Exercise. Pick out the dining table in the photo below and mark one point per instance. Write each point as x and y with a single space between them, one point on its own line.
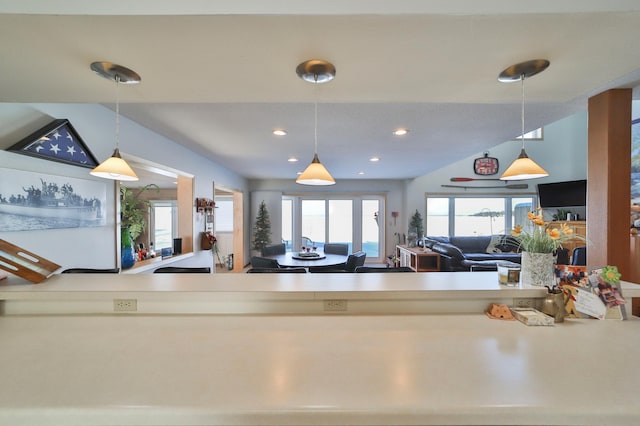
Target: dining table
298 259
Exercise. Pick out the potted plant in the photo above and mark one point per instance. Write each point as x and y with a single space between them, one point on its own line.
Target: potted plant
133 220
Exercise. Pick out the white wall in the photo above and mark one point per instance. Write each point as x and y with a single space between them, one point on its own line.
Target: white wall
95 247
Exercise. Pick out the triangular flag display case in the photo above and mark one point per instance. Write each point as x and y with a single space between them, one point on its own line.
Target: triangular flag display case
57 141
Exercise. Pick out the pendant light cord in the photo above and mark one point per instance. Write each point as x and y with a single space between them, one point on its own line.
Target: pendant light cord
117 79
522 113
315 125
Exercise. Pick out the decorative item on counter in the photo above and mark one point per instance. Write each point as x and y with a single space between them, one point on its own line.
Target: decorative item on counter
509 274
570 278
531 316
605 283
554 304
538 246
596 294
25 264
499 311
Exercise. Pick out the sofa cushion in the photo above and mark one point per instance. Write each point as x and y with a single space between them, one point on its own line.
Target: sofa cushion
471 244
493 247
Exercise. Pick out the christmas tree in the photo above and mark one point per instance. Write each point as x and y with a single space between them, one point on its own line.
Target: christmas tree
416 229
262 234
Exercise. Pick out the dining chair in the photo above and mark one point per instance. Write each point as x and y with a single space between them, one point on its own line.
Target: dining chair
367 269
354 260
264 262
296 270
274 249
182 270
91 271
336 248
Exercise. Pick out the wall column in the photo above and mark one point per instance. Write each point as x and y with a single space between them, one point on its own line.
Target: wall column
609 180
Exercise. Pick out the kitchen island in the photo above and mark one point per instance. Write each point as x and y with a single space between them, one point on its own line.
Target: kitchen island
278 358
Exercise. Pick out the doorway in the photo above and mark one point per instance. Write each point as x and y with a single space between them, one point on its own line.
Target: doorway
229 229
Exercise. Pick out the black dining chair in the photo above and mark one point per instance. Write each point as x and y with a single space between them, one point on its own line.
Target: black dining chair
296 270
353 261
91 271
274 249
368 269
182 270
336 248
264 262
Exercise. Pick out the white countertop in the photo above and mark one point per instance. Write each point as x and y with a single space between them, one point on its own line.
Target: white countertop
438 292
397 369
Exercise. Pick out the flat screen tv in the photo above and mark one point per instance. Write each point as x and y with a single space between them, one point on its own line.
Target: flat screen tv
563 194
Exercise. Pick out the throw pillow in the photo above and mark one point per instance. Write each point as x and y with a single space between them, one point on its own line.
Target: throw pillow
494 244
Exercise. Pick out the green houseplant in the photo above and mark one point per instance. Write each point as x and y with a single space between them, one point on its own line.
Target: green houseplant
134 210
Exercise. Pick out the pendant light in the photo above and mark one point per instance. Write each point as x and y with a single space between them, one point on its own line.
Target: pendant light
316 71
115 167
523 167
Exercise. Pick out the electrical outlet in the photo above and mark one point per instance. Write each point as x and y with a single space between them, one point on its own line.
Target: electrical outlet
125 305
335 305
519 302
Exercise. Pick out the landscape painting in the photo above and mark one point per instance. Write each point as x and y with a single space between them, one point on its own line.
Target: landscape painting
34 201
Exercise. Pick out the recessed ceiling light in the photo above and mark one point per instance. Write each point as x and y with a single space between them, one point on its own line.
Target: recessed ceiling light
374 159
280 132
361 172
292 160
400 132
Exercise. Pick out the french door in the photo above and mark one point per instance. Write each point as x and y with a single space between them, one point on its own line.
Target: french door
352 220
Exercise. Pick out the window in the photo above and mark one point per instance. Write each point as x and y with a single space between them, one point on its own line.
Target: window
474 215
164 223
287 223
224 214
534 135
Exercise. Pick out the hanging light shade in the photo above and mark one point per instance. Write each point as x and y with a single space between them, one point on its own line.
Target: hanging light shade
115 167
523 167
316 71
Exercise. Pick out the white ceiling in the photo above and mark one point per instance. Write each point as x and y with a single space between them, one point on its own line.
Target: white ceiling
218 76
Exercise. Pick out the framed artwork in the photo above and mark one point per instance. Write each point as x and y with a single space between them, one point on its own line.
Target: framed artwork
57 141
34 200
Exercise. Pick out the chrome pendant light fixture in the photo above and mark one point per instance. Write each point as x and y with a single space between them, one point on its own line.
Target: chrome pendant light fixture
115 167
523 167
316 71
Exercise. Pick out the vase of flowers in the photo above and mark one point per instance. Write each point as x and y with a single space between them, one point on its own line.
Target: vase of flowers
538 245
